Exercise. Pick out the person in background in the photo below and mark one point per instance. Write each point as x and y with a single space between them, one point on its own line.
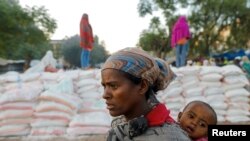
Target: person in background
237 61
246 66
205 62
189 63
195 118
131 79
212 62
220 62
226 62
86 41
179 40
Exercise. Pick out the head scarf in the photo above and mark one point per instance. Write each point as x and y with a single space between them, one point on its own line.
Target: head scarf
141 65
86 34
180 30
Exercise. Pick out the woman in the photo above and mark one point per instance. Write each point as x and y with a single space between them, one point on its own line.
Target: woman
179 40
131 79
86 41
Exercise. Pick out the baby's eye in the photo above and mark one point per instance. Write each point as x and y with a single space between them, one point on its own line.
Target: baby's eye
202 124
190 116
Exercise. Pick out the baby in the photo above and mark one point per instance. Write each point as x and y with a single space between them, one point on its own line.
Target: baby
195 118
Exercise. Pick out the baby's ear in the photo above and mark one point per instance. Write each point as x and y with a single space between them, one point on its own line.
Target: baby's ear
179 116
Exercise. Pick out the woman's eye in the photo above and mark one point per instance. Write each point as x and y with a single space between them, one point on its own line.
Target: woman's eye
113 86
104 86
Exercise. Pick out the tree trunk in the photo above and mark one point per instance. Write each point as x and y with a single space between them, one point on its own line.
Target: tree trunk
207 51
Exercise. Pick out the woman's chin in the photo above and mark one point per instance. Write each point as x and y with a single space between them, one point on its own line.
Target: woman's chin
113 113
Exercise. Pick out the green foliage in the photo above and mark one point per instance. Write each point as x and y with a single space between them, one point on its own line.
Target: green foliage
98 54
71 51
24 32
144 7
155 39
207 19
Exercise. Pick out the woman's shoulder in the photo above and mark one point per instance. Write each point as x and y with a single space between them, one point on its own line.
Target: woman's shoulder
117 120
167 132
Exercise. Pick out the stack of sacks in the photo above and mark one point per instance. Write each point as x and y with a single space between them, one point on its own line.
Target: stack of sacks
92 118
10 80
211 81
236 94
92 105
190 83
49 79
71 74
91 122
65 85
14 80
172 97
17 104
55 110
88 85
2 89
222 87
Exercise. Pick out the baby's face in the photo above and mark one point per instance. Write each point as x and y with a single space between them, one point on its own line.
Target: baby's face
195 120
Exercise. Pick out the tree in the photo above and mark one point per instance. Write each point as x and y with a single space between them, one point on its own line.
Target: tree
24 32
208 20
99 53
71 51
155 39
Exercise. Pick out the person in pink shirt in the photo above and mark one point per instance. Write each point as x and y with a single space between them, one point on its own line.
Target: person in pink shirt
179 40
195 118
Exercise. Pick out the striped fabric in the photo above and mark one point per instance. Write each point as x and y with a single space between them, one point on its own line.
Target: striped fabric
141 65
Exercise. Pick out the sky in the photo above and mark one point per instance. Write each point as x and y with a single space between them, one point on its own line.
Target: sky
116 22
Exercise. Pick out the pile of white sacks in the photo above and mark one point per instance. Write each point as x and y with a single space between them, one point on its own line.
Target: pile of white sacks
224 88
55 104
69 103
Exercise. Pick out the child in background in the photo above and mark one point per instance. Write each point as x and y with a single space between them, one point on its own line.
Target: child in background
195 118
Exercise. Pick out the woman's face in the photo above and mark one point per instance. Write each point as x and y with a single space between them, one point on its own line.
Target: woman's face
122 95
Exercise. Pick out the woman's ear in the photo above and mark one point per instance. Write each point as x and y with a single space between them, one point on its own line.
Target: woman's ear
179 116
143 87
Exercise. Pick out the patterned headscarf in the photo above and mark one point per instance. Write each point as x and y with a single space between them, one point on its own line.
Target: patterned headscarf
141 65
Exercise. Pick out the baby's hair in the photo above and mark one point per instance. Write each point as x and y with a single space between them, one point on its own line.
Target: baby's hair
204 103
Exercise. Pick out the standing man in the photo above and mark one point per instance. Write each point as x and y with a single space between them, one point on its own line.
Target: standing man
179 40
86 41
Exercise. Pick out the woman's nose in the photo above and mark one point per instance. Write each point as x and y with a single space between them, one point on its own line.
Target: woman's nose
106 93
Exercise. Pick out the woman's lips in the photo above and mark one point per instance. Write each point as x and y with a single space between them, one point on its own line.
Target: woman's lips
110 106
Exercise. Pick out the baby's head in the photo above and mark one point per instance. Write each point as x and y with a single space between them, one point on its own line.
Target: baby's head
196 117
